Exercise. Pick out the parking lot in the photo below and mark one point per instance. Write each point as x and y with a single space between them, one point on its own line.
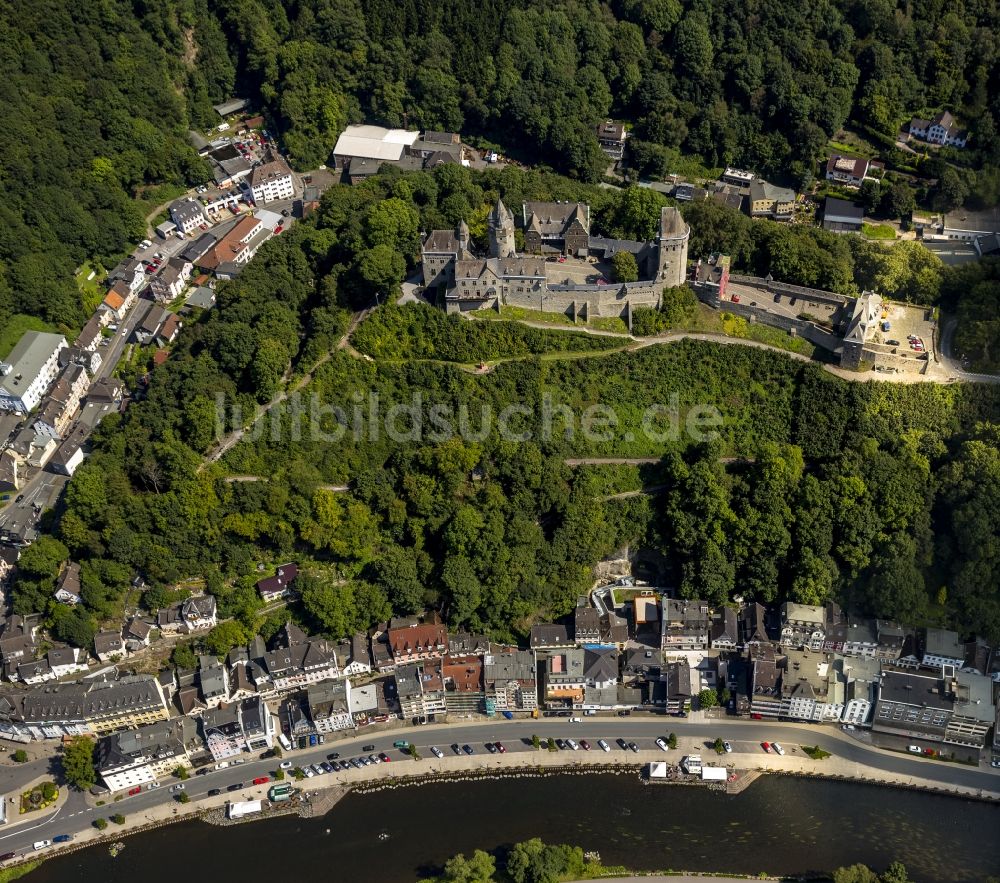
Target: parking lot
905 320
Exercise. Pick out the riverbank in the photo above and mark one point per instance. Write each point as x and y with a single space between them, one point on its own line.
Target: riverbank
783 826
325 792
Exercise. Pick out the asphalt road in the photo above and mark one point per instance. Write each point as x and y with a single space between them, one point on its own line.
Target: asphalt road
693 736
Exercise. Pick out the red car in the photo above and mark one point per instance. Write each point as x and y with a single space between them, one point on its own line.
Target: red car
278 229
736 298
262 780
133 791
766 746
500 748
585 745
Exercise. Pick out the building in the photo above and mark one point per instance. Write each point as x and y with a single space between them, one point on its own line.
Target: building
420 689
556 227
233 105
564 677
280 585
684 625
769 201
187 215
329 706
812 687
950 713
941 647
144 754
236 247
803 625
423 641
301 664
862 677
586 623
371 143
109 646
198 614
862 324
213 681
764 686
229 730
851 171
68 584
29 370
54 710
509 677
272 181
442 250
841 216
464 691
611 136
724 632
737 177
939 130
549 636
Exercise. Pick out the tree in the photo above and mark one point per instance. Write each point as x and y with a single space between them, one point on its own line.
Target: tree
718 746
226 635
536 742
20 756
78 763
183 655
672 740
382 269
678 305
118 819
551 744
479 868
100 824
181 772
900 201
49 790
182 797
625 267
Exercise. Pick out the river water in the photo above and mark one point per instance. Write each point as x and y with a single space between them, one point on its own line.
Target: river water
778 825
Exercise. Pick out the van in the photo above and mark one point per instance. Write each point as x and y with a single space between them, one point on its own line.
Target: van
285 742
41 844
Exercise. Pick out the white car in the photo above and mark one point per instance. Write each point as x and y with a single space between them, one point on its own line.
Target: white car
728 748
663 744
604 745
778 749
285 765
374 758
152 785
576 720
175 788
41 844
308 771
572 744
437 752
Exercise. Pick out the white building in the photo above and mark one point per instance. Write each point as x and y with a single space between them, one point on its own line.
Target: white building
187 214
329 706
134 757
29 371
272 181
942 647
230 730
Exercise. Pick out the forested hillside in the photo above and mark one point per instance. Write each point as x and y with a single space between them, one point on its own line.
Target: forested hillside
880 495
98 97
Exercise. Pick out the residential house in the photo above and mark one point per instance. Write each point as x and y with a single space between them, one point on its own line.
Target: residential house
115 305
329 706
812 687
109 646
463 684
138 756
77 355
802 625
278 586
467 644
168 332
137 634
8 564
222 732
549 636
36 671
942 647
425 641
29 370
10 471
213 681
769 201
150 325
724 632
509 679
587 623
420 689
68 584
841 216
187 214
685 625
360 658
737 177
562 227
60 406
851 171
611 136
67 661
107 391
752 624
198 614
301 664
859 636
862 676
91 335
939 130
272 180
257 724
131 272
564 677
600 667
764 681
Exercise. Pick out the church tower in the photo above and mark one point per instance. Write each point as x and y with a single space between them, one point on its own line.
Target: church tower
501 223
673 248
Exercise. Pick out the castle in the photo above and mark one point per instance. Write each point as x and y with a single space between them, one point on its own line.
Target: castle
561 269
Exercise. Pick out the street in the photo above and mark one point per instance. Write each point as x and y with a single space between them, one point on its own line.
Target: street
849 757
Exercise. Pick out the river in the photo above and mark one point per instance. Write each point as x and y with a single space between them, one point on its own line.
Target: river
779 825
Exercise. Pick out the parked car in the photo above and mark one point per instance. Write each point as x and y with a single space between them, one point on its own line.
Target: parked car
236 786
499 747
575 746
178 787
634 747
561 744
384 757
913 749
401 744
663 744
152 785
468 749
621 743
41 844
727 748
456 748
585 745
309 772
766 746
490 747
437 752
7 855
62 838
778 749
603 745
214 792
374 758
262 780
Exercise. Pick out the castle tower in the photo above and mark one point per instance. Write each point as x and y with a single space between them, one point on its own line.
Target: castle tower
673 248
462 233
501 223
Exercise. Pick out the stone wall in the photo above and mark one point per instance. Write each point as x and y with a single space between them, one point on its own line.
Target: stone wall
589 301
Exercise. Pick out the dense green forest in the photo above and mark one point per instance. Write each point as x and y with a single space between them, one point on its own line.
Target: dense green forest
880 495
99 97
